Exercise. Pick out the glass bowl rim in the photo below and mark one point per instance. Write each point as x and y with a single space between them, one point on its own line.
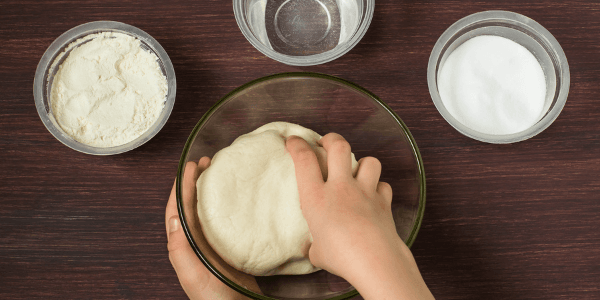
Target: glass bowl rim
500 16
308 60
57 46
205 117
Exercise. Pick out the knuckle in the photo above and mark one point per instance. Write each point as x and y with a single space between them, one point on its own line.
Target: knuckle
304 155
385 186
190 165
293 139
330 135
385 189
371 162
296 144
314 255
340 146
190 280
171 259
173 247
292 142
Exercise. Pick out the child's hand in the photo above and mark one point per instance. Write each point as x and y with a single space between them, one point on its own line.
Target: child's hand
196 280
351 222
344 214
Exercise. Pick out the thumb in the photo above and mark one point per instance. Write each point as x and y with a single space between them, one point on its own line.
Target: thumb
187 266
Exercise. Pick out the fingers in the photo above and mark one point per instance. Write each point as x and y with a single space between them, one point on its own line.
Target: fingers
308 172
339 159
369 170
385 190
181 255
203 164
190 175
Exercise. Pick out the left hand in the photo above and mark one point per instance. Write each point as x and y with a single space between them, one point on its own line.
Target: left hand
196 280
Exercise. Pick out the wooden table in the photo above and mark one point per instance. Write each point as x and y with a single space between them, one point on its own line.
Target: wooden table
519 221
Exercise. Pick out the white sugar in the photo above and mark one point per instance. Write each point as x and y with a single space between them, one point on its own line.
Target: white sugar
493 85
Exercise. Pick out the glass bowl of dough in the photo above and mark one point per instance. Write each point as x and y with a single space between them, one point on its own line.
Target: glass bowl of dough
303 32
263 244
104 88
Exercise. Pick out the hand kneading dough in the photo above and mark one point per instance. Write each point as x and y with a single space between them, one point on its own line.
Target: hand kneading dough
249 206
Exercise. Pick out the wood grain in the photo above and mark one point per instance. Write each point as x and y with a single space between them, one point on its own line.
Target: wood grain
513 221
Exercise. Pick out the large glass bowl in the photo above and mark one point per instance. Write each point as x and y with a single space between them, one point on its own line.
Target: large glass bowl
325 104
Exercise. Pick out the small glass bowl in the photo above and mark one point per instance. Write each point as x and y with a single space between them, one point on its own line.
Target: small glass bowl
324 104
47 68
523 31
303 32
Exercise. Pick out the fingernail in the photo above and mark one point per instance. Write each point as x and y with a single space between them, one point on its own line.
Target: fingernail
173 223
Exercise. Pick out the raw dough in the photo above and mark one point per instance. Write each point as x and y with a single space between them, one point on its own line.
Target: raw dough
248 202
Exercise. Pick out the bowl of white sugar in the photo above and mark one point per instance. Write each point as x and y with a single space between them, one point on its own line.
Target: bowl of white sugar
104 88
498 77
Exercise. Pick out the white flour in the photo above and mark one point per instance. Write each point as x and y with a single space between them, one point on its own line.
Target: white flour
108 91
493 85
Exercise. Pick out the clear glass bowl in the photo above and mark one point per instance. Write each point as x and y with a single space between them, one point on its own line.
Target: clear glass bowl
522 30
303 32
325 104
46 70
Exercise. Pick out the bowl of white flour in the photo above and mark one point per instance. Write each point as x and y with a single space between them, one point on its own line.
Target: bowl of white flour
104 88
498 77
244 219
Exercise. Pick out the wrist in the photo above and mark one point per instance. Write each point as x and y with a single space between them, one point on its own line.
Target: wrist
388 271
372 257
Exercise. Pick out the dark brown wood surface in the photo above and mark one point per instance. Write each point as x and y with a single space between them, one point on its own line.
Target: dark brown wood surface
519 221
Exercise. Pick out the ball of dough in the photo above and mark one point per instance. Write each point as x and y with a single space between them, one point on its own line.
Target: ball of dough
248 202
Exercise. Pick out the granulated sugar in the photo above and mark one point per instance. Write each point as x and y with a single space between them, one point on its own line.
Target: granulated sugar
493 85
108 91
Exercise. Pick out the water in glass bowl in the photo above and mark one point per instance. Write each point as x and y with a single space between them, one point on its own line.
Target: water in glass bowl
303 27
